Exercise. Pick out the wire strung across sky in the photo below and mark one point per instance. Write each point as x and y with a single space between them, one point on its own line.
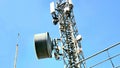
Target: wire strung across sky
106 49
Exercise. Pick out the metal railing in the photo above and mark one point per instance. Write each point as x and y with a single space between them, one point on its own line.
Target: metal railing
108 59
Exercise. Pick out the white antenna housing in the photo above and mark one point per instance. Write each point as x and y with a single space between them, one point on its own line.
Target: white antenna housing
52 7
70 1
43 45
79 38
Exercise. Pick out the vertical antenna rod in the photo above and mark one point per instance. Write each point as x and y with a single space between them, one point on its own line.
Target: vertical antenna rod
16 54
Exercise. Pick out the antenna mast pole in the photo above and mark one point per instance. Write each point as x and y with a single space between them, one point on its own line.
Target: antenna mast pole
16 54
72 50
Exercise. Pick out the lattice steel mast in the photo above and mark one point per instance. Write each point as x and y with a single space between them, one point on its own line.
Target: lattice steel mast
68 45
72 50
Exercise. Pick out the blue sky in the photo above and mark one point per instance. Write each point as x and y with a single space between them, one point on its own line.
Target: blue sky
98 22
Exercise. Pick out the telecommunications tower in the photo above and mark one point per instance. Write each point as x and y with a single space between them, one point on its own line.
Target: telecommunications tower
68 46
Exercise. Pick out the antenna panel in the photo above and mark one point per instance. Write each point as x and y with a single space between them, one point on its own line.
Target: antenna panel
52 8
43 45
70 1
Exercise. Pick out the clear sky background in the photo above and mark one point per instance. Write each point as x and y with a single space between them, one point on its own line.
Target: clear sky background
98 22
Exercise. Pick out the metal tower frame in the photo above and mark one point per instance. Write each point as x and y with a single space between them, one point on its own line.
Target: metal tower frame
69 37
68 46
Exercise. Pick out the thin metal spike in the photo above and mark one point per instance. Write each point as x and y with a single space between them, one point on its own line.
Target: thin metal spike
16 54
